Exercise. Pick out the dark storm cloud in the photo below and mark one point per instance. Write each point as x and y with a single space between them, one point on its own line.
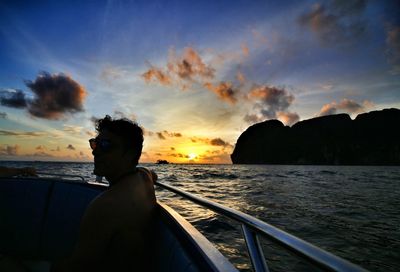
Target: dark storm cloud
54 95
337 23
13 99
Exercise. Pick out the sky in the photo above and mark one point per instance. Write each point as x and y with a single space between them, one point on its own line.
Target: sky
193 74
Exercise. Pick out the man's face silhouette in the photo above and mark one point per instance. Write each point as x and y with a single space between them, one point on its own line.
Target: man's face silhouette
111 159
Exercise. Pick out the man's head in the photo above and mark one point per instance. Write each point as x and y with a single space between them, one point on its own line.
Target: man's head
117 147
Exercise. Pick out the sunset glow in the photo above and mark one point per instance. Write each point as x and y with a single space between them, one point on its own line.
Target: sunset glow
193 74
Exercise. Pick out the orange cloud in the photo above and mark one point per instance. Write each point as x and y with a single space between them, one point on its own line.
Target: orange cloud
219 142
288 118
41 148
9 150
164 134
155 74
213 142
245 50
240 77
190 65
270 103
27 134
346 105
224 91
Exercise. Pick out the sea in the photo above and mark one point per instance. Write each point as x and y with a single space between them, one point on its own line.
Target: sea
350 211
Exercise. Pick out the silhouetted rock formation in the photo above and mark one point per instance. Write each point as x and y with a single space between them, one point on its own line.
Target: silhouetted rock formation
370 139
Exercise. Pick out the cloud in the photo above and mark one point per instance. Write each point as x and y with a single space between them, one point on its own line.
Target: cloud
259 38
190 65
178 155
164 134
157 75
270 100
393 47
13 99
90 133
22 133
213 142
120 114
252 118
3 115
346 105
288 118
9 150
213 156
148 132
187 68
245 50
40 148
53 96
70 147
338 23
160 136
219 142
224 91
57 149
72 129
40 154
240 77
110 74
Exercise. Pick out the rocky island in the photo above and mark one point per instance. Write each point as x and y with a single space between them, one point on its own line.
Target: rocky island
370 139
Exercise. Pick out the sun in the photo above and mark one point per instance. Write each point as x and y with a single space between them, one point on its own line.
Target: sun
192 156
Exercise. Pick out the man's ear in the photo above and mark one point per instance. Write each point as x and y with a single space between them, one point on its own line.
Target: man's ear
128 154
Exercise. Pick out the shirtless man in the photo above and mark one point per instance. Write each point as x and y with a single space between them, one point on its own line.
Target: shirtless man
114 233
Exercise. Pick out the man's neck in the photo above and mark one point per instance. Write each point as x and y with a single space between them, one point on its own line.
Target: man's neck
114 180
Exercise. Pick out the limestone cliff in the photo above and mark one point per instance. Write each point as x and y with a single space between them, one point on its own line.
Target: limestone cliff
370 139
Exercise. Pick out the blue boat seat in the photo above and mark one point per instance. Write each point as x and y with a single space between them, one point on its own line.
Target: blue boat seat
40 218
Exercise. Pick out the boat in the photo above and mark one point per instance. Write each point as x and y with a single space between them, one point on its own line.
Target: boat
40 219
162 162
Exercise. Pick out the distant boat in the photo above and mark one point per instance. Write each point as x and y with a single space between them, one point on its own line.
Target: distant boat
162 162
40 219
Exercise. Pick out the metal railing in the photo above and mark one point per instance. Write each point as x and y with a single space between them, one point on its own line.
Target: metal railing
68 176
253 227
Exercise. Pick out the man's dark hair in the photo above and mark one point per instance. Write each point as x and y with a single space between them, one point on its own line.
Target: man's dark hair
130 132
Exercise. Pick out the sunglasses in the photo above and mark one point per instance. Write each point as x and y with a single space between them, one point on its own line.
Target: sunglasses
103 144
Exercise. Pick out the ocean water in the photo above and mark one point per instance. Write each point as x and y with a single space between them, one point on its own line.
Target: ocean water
350 211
